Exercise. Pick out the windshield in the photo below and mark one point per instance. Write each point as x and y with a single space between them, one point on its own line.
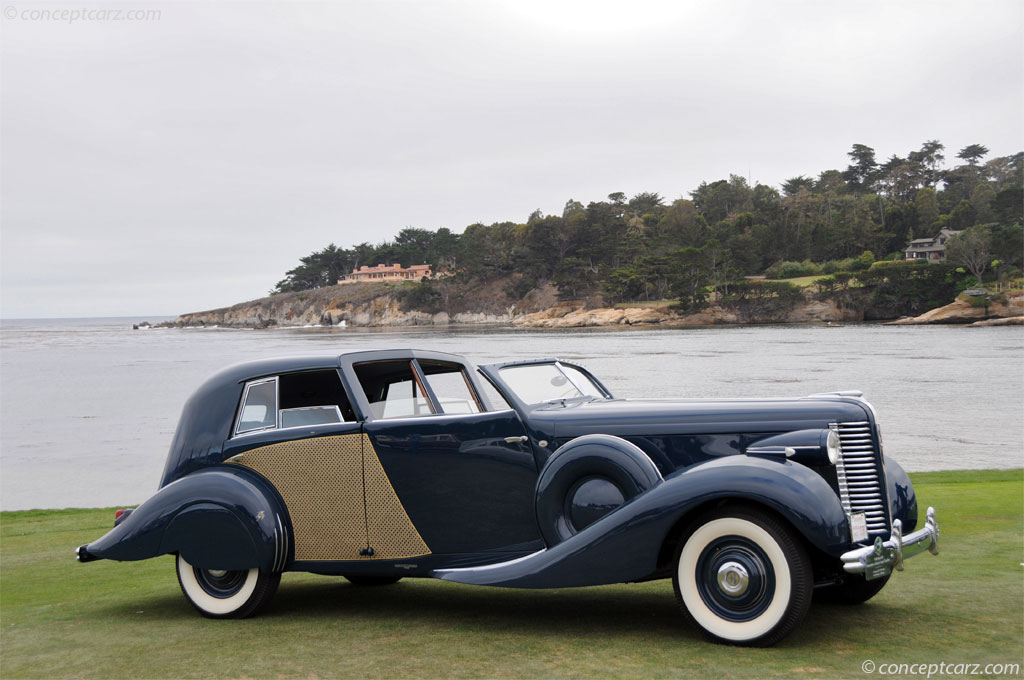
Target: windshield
539 383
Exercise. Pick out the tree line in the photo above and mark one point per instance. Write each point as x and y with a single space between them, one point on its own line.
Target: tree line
645 247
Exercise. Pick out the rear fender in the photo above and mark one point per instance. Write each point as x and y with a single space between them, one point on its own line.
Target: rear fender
221 518
624 545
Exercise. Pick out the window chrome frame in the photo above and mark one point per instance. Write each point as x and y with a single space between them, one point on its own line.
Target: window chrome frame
583 393
325 407
461 370
245 396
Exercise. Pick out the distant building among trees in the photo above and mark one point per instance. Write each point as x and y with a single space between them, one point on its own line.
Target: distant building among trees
933 248
382 273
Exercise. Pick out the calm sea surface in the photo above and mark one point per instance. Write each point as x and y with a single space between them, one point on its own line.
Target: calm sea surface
88 406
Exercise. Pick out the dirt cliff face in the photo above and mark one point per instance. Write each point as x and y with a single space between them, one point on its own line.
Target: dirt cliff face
574 315
350 305
369 304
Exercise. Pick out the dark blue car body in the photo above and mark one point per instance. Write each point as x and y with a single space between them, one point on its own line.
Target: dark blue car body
575 491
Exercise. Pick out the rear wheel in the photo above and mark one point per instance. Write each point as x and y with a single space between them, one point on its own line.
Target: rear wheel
226 594
743 577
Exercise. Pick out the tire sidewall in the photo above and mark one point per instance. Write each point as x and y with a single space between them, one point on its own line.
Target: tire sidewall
206 603
792 582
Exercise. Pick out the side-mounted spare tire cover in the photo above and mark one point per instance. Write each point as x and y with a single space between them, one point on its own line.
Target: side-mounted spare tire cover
586 479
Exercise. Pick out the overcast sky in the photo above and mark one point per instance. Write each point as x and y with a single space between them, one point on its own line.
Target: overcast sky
186 160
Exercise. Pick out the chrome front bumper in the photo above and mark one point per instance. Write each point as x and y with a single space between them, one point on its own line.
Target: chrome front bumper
896 549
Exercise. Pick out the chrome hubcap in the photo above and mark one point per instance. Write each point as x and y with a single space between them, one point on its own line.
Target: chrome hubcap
733 578
218 573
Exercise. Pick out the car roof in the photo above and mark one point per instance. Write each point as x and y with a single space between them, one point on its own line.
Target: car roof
259 368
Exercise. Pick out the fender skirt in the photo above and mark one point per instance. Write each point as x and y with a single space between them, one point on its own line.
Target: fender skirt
624 545
222 518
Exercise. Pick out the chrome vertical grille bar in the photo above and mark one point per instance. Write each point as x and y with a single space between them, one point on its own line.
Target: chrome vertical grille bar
844 489
858 473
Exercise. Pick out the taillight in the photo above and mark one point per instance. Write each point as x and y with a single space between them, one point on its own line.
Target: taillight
121 515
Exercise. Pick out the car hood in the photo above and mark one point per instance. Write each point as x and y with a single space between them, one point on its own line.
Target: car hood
646 417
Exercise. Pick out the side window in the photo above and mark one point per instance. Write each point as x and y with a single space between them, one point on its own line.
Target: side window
259 407
496 398
451 387
313 398
393 389
294 400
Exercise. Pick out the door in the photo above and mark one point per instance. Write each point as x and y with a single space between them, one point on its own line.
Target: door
465 476
300 433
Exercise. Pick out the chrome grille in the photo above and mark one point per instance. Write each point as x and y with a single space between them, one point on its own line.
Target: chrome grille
860 480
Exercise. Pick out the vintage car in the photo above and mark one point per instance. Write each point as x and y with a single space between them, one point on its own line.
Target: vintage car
382 465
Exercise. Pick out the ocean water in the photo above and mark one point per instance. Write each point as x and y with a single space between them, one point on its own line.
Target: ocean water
88 406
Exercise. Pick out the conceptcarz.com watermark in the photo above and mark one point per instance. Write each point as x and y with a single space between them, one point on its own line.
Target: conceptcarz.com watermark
931 670
72 15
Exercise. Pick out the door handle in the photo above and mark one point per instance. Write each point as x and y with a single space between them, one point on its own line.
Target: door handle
517 440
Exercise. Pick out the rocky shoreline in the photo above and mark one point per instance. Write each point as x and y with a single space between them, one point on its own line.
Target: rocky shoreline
974 312
377 305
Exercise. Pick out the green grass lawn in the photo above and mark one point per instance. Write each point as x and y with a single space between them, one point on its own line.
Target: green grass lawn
129 620
804 281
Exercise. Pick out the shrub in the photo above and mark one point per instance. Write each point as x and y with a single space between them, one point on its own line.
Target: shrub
824 286
760 300
791 270
422 297
910 288
977 300
518 288
851 264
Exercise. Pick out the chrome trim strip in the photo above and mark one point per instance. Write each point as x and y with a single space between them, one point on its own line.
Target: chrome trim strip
438 573
277 543
410 419
285 543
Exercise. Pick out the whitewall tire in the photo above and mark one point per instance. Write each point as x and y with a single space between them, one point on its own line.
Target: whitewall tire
222 594
743 577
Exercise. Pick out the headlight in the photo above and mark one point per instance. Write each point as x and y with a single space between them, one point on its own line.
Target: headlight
832 446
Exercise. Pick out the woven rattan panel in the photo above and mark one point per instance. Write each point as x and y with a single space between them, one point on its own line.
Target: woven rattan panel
321 481
392 534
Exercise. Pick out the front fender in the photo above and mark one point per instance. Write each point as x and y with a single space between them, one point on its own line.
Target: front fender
624 545
221 518
902 499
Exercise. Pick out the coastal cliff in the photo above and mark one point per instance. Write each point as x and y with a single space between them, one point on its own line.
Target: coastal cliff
384 305
977 311
361 304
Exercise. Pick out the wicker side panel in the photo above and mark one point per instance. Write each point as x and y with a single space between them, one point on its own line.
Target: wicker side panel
321 481
392 534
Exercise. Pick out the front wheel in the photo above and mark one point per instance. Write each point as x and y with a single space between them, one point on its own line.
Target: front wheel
743 577
226 594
